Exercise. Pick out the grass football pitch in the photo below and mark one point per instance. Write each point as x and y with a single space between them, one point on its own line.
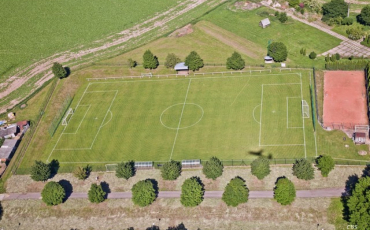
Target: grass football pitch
237 116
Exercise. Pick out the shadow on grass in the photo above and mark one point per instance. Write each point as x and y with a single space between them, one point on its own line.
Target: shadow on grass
54 167
106 189
68 188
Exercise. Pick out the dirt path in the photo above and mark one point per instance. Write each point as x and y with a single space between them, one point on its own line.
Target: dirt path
77 58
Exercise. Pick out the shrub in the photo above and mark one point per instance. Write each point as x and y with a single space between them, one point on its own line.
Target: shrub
213 168
325 164
347 21
149 60
53 193
82 173
236 192
96 193
283 17
143 193
313 5
40 171
355 33
337 56
131 63
278 51
260 167
125 170
302 10
364 16
277 14
192 192
327 58
332 58
171 170
312 55
171 60
303 169
366 41
58 70
235 62
293 3
193 61
284 191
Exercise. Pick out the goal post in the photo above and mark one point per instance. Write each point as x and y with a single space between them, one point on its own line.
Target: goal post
65 118
111 167
146 75
305 109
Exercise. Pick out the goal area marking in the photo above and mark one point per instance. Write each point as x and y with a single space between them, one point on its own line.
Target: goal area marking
69 112
305 109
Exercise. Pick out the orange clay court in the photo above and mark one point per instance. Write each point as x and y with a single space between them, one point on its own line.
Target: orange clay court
345 99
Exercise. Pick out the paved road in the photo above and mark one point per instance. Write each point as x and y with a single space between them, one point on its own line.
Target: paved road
327 192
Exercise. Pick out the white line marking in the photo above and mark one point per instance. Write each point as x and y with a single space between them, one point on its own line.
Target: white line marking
287 114
101 91
178 126
111 117
73 149
284 84
304 131
80 122
160 118
285 145
259 142
254 116
241 91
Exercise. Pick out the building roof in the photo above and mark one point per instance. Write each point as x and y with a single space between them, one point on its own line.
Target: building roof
7 148
181 66
268 58
265 22
5 131
360 134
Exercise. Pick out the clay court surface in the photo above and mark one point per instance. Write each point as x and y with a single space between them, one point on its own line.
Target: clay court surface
344 99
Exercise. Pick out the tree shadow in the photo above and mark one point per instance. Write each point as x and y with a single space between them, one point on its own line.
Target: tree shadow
88 170
154 227
178 227
1 211
106 189
68 188
68 70
366 171
130 228
155 186
256 152
54 167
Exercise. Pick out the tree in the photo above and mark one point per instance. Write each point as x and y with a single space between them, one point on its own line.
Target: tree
82 173
325 164
171 170
347 21
149 60
283 17
193 61
359 204
58 70
284 191
131 63
213 168
278 51
143 193
171 60
40 171
96 193
236 192
192 192
303 169
53 193
260 167
178 227
312 55
235 62
364 16
125 170
334 9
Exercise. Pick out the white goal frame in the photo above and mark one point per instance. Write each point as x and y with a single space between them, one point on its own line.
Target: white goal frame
363 128
64 120
305 109
109 170
146 75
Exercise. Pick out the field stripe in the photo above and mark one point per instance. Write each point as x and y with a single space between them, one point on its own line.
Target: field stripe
178 126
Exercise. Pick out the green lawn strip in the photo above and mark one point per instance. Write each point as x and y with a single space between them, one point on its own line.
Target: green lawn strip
335 214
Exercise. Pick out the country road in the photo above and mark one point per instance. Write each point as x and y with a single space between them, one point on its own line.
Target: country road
327 192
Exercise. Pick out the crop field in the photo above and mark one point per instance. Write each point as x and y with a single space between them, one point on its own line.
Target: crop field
231 117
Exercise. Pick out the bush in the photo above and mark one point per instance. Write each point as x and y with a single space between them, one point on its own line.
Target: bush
125 170
53 193
82 173
260 167
149 60
236 192
171 170
284 191
366 41
347 21
312 55
325 164
131 63
96 193
337 56
334 9
313 5
302 11
277 14
327 58
171 60
192 192
293 3
283 17
143 193
58 70
303 169
40 171
193 61
355 33
278 51
235 62
364 16
213 168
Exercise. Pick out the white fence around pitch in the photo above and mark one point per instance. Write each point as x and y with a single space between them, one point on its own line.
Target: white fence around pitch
193 74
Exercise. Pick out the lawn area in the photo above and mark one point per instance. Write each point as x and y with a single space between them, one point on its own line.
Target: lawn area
31 30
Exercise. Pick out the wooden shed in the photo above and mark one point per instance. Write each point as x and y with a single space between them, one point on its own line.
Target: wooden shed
359 138
182 69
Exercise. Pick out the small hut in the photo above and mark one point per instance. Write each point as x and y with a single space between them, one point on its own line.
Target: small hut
182 69
265 23
359 138
269 59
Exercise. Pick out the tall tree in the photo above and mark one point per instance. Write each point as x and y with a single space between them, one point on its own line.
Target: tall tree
325 163
213 168
193 61
143 193
53 193
334 9
278 51
260 167
284 191
364 16
236 192
192 192
359 204
96 193
171 170
125 170
303 169
171 60
40 171
235 62
149 60
58 70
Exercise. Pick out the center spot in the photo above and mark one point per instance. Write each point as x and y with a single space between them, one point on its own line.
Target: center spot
180 116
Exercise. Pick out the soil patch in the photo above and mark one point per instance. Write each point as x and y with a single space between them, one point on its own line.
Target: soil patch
188 29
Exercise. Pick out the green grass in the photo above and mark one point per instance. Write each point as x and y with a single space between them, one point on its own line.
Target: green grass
32 30
335 214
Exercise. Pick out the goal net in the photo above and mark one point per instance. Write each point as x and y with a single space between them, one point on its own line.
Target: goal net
305 109
111 167
65 118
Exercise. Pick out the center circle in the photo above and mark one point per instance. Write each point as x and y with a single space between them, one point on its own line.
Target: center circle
181 116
